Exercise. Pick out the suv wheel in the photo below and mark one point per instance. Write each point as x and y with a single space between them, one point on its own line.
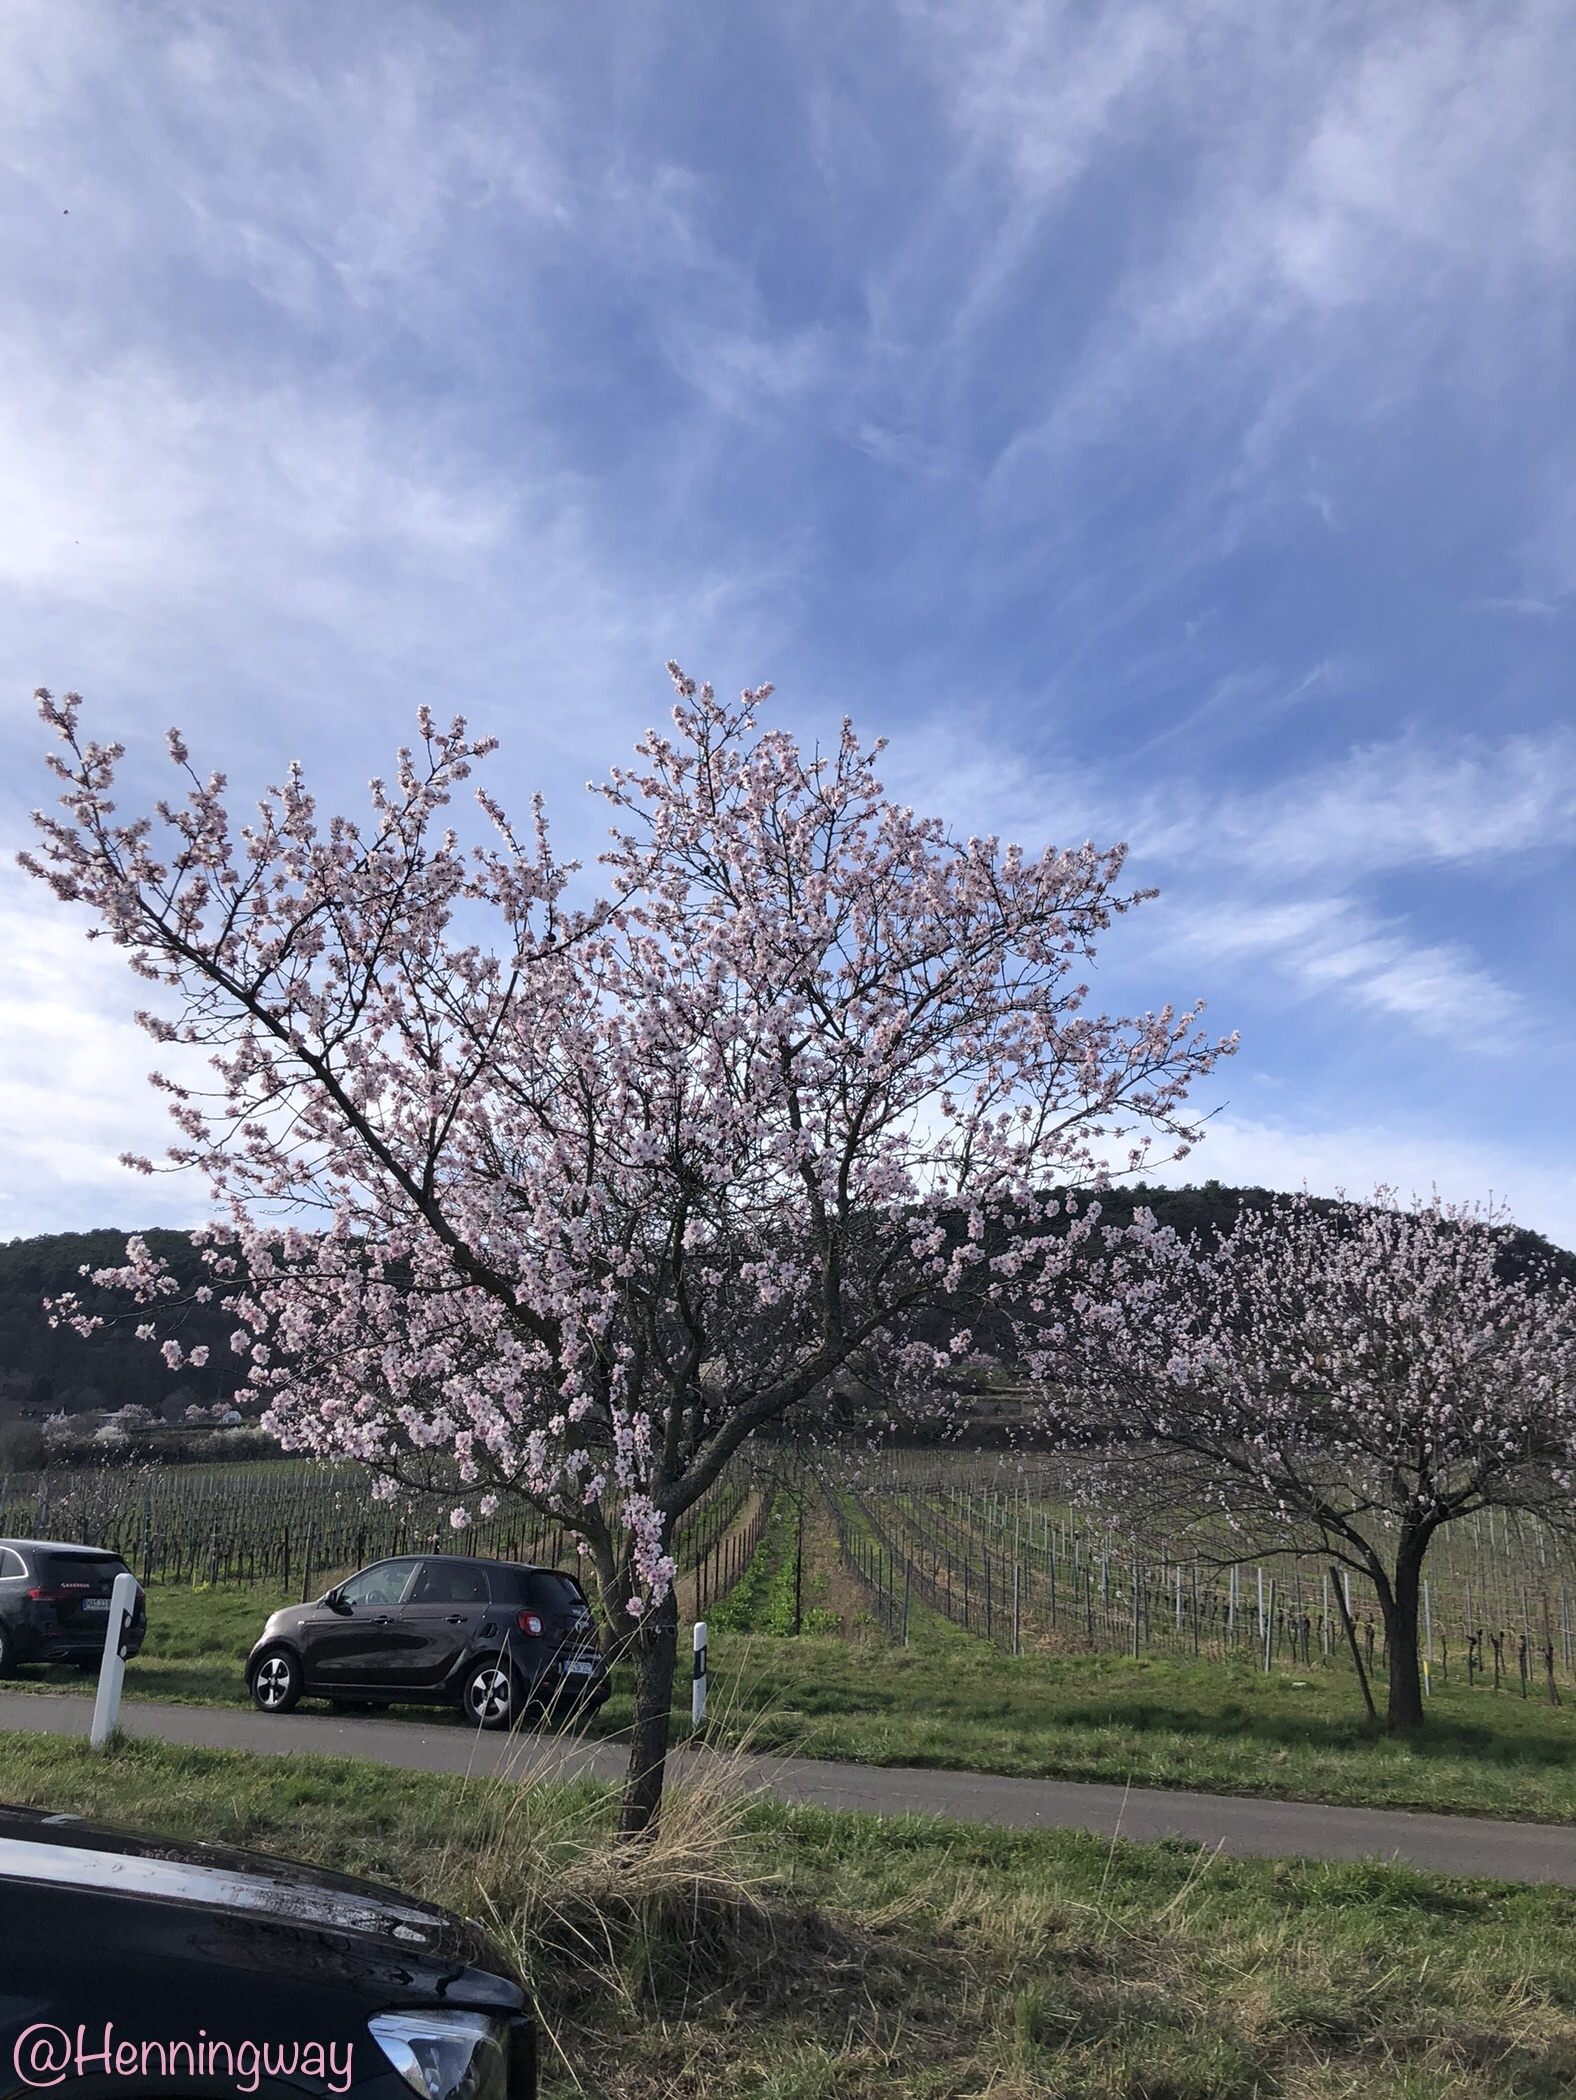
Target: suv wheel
7 1652
276 1681
491 1695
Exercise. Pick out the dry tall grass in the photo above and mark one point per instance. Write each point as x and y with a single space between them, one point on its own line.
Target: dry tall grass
754 1952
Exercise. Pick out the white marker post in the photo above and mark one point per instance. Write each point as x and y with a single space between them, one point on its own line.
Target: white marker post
106 1707
698 1687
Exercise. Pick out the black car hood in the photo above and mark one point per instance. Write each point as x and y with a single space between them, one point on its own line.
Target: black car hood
65 1852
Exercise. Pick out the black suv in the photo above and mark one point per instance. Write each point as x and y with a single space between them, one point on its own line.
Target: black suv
498 1638
133 1965
54 1604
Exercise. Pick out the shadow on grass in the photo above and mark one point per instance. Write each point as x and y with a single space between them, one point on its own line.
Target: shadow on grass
1162 1721
1442 1736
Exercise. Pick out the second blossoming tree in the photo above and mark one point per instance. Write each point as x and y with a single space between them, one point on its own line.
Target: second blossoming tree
1342 1380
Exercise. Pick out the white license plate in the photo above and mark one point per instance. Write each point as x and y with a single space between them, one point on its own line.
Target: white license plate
578 1669
95 1604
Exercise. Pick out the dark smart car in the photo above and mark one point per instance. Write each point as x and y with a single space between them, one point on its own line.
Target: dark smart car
499 1639
133 1965
54 1604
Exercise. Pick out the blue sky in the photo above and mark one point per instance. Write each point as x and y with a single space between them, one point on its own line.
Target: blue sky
1157 420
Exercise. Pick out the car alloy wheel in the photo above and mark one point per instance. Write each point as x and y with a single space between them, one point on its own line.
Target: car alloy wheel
489 1695
275 1686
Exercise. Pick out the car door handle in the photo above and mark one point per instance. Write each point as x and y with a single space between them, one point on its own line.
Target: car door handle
456 1618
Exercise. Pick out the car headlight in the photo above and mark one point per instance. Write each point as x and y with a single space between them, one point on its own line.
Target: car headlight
446 2055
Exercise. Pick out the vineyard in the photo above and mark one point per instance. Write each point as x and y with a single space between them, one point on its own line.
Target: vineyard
292 1524
1007 1552
999 1550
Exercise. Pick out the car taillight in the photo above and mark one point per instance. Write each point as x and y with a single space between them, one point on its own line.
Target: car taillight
43 1595
528 1622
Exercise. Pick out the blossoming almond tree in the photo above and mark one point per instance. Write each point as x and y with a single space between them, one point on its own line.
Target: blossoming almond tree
1343 1378
582 1200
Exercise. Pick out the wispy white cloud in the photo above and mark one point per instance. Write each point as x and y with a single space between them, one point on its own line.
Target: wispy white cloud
1408 803
1411 802
1413 1156
337 179
1274 878
1245 704
1362 175
1518 608
260 371
1333 953
136 479
73 1091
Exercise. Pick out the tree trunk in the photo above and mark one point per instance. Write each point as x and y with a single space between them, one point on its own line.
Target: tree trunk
655 1653
1400 1602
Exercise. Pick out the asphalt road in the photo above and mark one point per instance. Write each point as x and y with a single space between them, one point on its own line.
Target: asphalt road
1240 1826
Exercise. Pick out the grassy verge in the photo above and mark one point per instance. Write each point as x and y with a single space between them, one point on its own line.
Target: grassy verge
1218 1727
795 1955
949 1700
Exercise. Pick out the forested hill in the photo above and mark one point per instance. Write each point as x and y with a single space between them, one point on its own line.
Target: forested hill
43 1369
1212 1206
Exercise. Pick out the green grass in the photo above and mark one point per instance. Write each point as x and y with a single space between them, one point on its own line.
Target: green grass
751 1606
762 1600
953 1702
795 1955
949 1700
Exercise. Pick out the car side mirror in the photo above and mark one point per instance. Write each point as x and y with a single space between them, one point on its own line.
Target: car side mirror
335 1601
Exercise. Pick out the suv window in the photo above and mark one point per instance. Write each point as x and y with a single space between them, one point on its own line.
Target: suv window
544 1589
55 1566
386 1583
450 1582
552 1592
10 1563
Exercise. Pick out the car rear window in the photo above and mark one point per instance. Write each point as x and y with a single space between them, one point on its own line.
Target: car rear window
80 1567
543 1589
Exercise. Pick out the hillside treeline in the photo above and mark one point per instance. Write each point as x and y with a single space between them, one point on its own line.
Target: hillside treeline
47 1370
44 1370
